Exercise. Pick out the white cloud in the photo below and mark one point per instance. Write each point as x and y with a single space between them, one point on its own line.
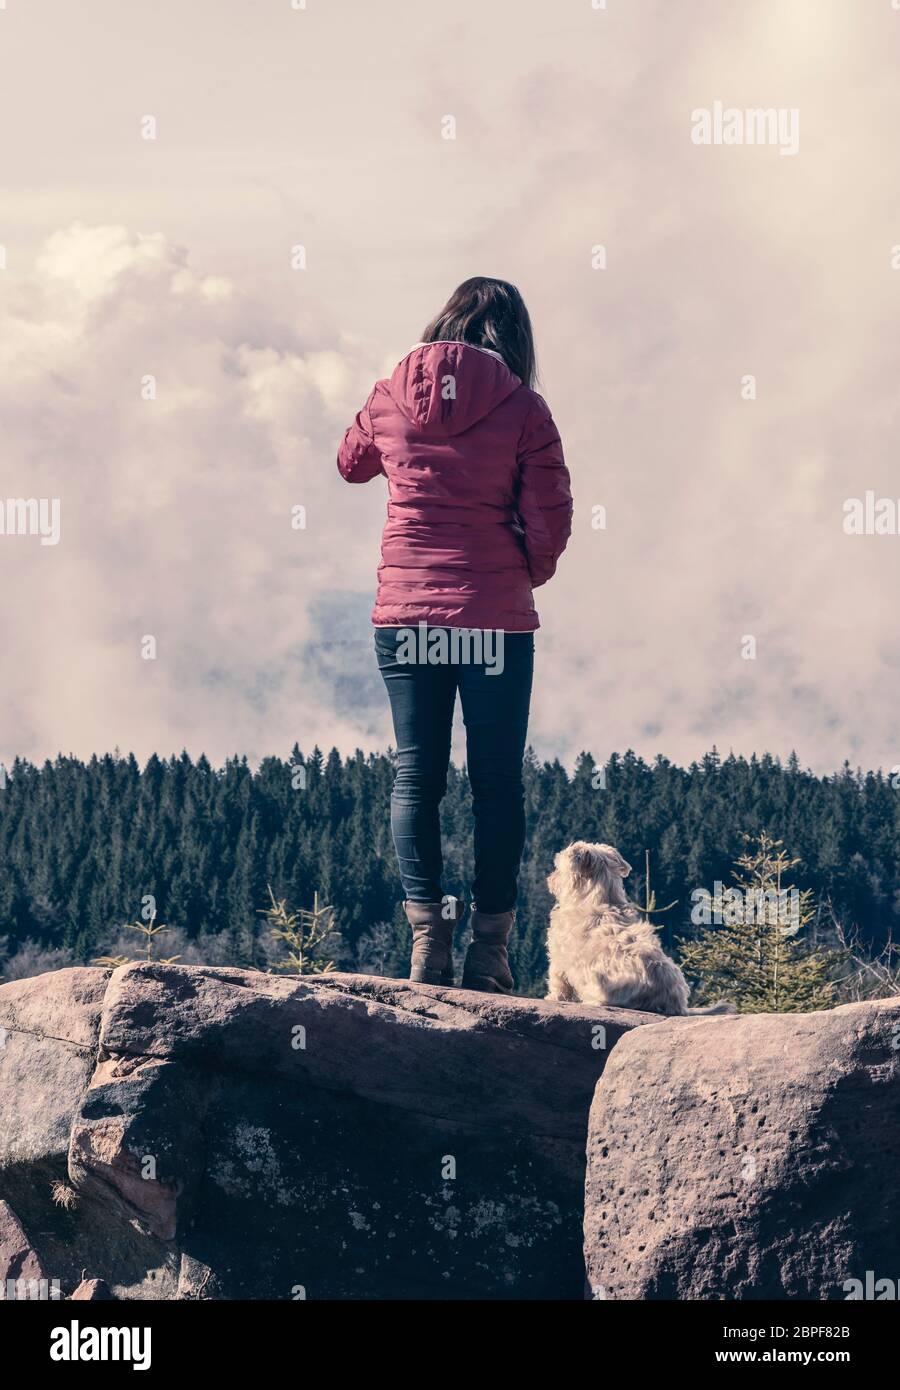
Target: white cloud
724 515
176 511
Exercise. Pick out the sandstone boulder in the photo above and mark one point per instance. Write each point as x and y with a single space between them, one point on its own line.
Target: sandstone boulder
48 1044
92 1291
747 1157
240 1135
19 1263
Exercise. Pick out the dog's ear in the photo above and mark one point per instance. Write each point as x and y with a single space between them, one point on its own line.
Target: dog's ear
583 863
614 861
622 865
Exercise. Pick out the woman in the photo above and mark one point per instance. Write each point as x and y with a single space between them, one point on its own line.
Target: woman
479 512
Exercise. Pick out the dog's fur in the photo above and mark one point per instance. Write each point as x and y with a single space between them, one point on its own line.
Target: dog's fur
602 949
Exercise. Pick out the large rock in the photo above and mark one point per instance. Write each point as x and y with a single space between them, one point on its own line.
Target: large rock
92 1291
48 1044
21 1271
49 1039
242 1135
747 1157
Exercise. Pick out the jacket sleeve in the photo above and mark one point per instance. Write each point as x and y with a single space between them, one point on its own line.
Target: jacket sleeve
358 458
544 499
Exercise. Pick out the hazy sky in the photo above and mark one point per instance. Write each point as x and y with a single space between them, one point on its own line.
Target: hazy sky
275 127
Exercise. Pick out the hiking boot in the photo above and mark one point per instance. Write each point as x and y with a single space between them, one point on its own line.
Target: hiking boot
432 952
487 964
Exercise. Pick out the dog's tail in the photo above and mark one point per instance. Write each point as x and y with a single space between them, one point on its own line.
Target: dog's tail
724 1006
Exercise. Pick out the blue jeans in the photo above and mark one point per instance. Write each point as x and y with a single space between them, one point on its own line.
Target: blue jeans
495 713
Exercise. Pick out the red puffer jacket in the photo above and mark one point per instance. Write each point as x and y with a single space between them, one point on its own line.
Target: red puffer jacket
479 508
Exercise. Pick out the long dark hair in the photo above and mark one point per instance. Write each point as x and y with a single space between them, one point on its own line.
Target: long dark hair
489 314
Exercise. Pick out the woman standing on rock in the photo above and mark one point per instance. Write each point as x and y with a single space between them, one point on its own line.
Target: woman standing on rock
479 512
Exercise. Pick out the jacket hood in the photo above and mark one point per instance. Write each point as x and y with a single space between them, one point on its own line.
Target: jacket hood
445 388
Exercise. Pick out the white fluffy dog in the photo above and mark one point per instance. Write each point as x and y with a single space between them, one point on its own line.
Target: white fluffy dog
602 949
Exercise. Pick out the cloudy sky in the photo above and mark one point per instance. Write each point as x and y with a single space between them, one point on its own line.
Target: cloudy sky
170 258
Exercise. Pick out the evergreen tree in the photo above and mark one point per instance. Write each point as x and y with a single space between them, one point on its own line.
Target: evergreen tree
756 954
82 842
308 934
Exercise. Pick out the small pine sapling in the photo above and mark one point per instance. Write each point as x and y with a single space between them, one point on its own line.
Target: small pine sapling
307 933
